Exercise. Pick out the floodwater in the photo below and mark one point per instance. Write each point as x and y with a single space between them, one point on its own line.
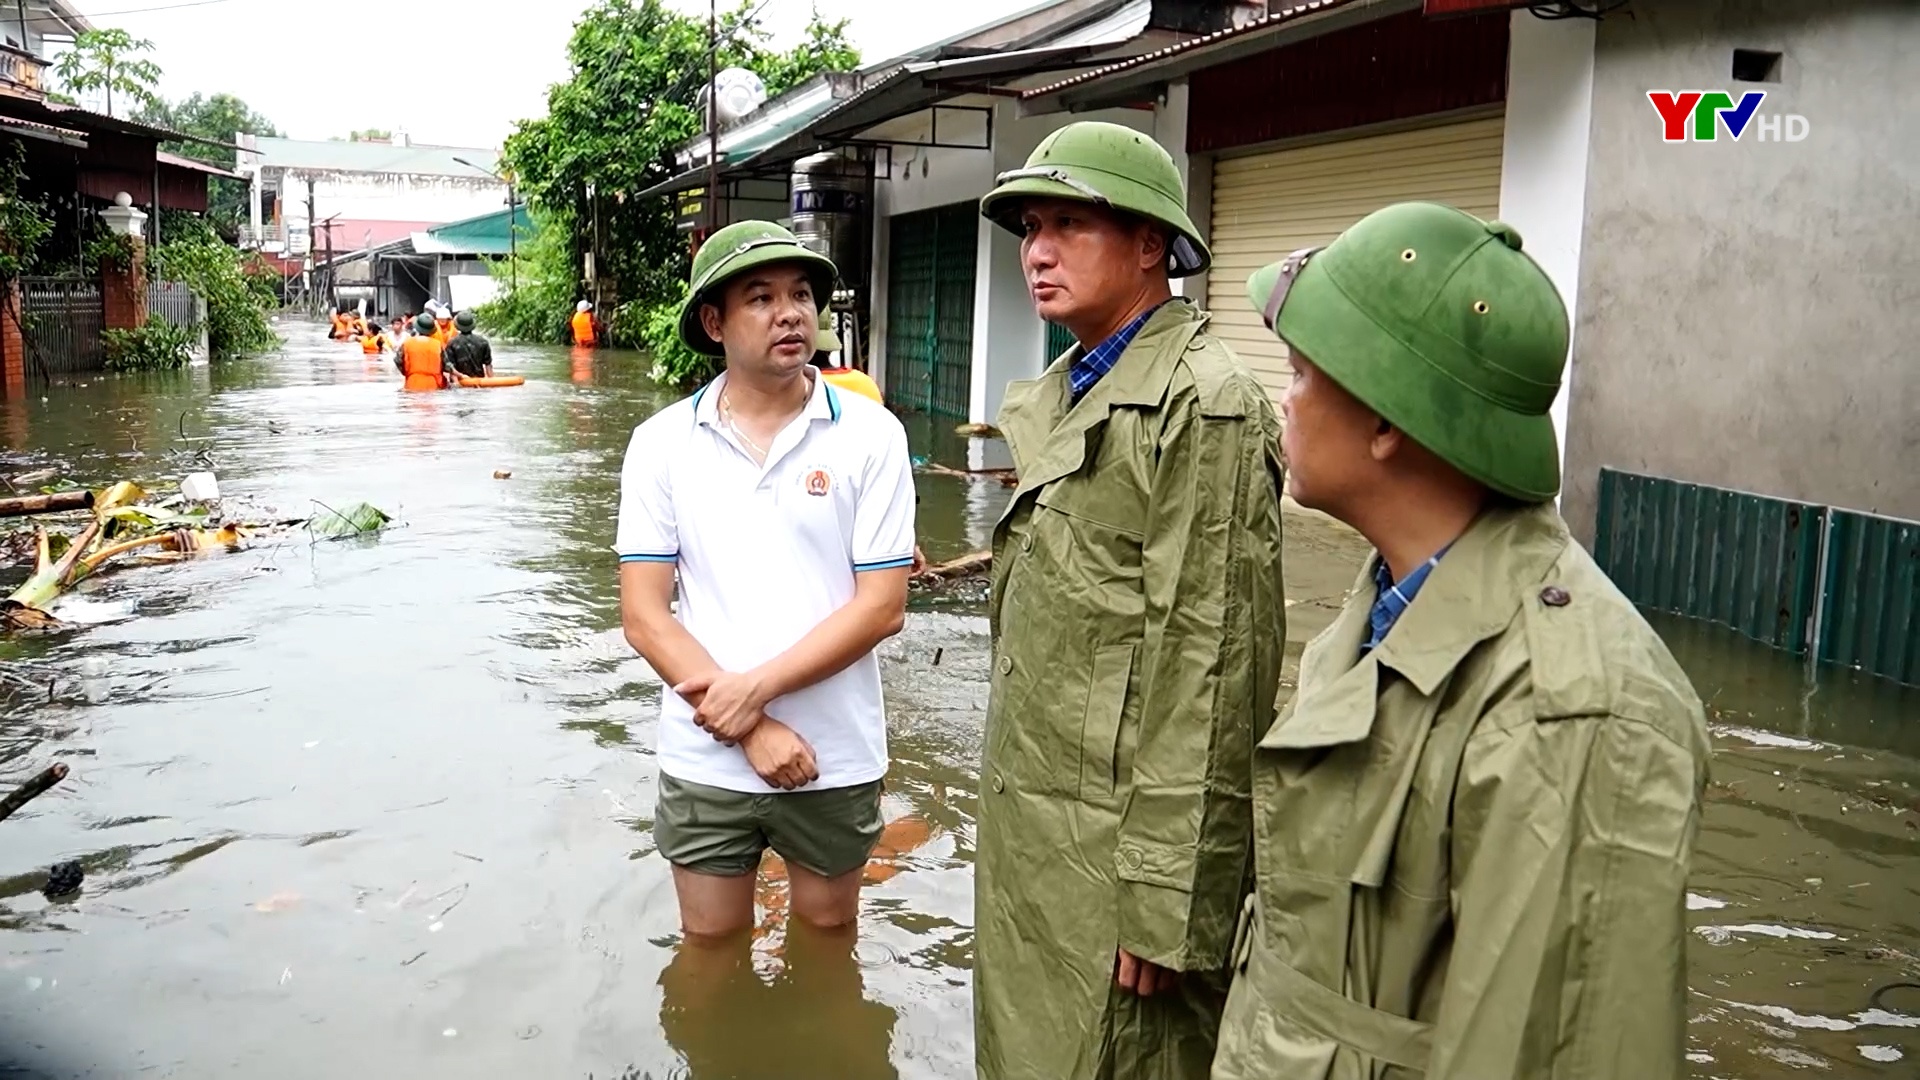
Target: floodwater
382 806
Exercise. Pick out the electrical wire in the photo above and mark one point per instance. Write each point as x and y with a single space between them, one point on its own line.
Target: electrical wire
103 14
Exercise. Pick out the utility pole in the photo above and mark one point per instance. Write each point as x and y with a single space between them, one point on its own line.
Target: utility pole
313 279
332 301
713 117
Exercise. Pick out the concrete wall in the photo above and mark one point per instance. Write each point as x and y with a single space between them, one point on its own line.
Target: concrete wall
1543 167
1748 311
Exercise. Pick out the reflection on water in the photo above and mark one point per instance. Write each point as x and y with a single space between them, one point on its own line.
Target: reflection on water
385 806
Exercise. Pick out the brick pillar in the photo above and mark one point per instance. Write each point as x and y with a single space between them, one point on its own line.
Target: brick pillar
123 293
13 345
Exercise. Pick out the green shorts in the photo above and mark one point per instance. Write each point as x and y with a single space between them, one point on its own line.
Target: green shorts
712 830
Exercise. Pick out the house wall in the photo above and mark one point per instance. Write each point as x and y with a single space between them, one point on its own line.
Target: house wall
1543 168
1747 310
374 197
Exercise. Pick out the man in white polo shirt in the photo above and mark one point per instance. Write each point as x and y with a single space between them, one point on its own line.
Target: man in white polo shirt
784 507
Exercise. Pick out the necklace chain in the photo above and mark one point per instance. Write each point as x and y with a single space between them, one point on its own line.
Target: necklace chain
726 414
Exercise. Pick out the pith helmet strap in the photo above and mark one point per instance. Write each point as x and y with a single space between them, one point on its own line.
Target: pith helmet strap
1289 269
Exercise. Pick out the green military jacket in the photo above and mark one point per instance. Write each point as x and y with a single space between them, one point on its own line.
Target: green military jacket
1473 841
1138 630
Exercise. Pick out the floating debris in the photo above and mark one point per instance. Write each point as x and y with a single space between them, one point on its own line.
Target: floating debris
1769 739
1720 935
63 879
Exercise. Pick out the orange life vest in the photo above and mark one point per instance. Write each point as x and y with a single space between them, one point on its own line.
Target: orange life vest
339 331
582 328
854 381
371 343
420 358
443 330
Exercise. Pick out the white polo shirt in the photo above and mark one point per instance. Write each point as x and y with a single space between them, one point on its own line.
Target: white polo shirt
765 554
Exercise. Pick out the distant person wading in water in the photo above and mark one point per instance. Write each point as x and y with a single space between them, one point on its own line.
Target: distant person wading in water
419 358
469 353
583 326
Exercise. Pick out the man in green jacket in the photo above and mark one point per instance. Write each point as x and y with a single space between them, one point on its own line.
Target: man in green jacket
1138 630
1473 819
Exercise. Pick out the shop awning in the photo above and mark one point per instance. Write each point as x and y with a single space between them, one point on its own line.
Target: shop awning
904 90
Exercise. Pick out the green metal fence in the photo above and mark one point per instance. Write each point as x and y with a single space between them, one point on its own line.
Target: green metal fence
1754 564
1871 618
930 309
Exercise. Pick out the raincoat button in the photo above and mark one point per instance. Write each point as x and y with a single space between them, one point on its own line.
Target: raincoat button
1131 858
1555 596
1006 665
999 785
1026 542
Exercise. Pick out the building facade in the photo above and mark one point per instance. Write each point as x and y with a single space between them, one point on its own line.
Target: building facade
312 197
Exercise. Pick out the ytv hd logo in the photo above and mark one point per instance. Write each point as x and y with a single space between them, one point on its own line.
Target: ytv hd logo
1701 114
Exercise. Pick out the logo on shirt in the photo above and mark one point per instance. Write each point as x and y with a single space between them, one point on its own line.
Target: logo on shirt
818 482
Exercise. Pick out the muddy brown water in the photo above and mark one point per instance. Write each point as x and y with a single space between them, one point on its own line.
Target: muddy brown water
381 807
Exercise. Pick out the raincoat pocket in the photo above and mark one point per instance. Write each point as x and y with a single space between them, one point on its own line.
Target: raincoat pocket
1100 725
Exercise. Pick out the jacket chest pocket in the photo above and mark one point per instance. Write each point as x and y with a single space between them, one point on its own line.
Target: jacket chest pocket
1100 725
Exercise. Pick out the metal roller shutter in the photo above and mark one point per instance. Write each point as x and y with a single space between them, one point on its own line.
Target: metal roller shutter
1266 205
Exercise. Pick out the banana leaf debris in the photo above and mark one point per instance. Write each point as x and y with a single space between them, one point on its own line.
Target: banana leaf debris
123 523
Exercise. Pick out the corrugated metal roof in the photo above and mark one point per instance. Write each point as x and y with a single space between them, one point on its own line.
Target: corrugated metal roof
179 162
485 234
371 157
1266 22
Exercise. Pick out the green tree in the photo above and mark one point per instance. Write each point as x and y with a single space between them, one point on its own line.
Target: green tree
220 117
370 135
108 60
611 129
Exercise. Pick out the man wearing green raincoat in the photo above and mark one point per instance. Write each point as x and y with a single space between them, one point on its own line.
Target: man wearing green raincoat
1474 817
1138 630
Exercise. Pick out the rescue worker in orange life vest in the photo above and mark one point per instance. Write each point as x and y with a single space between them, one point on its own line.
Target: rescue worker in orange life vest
583 328
852 380
419 358
443 325
340 329
373 341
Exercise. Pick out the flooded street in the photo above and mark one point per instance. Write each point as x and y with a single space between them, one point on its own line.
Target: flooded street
383 806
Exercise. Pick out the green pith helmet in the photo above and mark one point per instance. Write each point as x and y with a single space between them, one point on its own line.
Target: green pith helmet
1108 165
424 324
1437 321
464 321
733 251
826 340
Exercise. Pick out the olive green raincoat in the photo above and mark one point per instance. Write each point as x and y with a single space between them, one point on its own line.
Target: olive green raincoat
1138 630
1473 841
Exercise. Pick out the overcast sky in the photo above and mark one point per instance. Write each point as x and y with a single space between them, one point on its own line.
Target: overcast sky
452 72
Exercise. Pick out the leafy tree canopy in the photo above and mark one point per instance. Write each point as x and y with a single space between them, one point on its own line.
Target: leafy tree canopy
612 127
109 60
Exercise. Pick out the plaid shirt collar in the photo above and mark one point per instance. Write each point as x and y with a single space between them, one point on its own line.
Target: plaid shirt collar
1099 360
1394 597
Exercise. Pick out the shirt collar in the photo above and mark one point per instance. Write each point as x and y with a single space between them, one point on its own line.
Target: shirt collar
1088 368
823 400
1392 598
